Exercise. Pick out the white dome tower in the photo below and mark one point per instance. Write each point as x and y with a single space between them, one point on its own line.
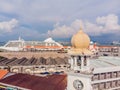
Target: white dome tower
79 76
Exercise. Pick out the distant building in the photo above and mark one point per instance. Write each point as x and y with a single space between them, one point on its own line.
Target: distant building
109 50
94 49
20 45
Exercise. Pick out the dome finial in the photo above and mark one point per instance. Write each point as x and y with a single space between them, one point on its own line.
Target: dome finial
81 27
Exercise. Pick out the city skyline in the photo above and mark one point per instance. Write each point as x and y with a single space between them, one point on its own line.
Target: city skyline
39 19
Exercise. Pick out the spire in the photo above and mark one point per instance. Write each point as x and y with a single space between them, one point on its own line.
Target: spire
81 27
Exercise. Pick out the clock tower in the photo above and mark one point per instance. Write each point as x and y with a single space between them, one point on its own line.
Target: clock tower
80 75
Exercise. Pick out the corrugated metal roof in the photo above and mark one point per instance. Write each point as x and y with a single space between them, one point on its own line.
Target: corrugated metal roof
52 82
105 62
33 61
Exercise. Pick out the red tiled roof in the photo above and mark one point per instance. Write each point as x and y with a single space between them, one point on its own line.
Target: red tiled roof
52 82
3 73
66 46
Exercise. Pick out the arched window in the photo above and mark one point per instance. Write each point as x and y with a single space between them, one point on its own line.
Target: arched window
85 61
79 61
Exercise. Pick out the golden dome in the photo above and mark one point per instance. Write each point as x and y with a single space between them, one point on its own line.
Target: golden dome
80 40
80 44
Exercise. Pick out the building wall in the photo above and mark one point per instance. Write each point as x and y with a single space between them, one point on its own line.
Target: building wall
109 51
83 78
37 69
106 80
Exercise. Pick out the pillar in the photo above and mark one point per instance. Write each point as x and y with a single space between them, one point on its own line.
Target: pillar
88 62
75 59
72 62
82 62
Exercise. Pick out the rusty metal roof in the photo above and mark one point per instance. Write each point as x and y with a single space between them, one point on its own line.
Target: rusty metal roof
51 82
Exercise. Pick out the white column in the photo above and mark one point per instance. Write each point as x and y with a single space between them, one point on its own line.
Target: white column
76 66
88 65
82 62
88 62
75 59
69 61
72 62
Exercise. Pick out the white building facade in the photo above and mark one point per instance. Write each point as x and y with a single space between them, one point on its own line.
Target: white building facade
87 73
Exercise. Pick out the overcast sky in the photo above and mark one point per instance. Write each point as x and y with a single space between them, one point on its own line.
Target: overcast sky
60 19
